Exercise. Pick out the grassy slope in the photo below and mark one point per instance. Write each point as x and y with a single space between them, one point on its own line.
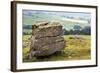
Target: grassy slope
76 49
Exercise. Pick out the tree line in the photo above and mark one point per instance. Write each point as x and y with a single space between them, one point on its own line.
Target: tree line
77 30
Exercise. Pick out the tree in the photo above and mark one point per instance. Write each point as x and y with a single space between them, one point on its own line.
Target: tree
65 32
77 27
27 26
86 30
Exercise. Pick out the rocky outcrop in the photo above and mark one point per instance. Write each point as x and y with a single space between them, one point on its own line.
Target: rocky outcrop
46 39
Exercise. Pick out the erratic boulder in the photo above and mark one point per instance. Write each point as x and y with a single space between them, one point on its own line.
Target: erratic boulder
46 39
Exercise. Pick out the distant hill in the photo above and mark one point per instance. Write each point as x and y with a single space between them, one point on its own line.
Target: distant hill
32 17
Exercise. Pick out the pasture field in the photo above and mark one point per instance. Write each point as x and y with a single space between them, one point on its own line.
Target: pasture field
76 49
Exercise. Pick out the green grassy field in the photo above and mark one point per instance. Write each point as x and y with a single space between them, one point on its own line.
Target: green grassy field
76 49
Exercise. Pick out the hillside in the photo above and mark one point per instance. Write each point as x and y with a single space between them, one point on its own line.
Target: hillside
66 19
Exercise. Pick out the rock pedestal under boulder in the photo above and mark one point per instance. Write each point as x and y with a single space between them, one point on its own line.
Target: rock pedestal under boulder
46 39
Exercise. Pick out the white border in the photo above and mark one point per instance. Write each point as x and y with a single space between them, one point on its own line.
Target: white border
21 65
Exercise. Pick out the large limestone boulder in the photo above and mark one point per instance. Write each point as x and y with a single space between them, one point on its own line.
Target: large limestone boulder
46 39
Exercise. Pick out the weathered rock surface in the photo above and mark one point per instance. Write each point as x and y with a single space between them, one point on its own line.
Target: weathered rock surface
48 30
49 49
46 39
39 43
